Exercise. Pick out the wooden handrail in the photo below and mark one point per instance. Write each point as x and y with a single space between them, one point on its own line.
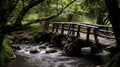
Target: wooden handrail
77 27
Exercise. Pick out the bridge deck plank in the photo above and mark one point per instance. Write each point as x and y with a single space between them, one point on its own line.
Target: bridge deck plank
71 27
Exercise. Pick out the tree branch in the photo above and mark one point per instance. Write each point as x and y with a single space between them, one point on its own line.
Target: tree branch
48 18
5 11
25 10
20 27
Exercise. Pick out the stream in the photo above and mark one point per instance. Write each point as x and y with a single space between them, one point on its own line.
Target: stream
42 59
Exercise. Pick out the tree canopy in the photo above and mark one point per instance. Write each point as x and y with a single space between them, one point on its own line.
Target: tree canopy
12 12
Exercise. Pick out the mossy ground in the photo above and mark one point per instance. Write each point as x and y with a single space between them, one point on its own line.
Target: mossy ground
6 52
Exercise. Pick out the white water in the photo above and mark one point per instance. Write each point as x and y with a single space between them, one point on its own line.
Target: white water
41 59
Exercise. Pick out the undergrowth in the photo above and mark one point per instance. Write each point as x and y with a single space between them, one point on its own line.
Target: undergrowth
5 52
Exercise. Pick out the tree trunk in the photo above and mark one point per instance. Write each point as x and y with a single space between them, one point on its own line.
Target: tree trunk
114 17
2 35
24 10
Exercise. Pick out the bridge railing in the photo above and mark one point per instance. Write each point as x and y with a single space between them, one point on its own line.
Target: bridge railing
75 29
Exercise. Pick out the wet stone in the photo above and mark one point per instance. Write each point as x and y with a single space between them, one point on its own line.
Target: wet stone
13 57
46 44
86 51
17 47
42 46
51 50
41 59
41 42
34 50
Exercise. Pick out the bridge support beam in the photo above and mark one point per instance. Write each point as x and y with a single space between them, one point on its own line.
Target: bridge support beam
46 26
88 34
95 32
78 31
57 27
69 29
62 30
53 27
73 29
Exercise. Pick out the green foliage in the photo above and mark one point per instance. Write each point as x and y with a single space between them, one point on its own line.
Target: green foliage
94 4
34 29
28 17
73 47
68 48
6 51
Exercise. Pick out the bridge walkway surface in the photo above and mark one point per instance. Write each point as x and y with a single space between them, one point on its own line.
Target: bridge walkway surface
90 32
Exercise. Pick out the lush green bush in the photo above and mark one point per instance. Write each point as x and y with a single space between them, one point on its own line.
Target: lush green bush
73 47
6 51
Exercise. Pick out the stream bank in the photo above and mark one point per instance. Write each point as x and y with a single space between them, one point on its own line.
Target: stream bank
58 58
43 59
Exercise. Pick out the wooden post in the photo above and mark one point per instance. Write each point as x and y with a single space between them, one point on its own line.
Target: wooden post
96 39
78 30
73 27
95 31
69 29
88 34
47 26
62 30
57 27
53 27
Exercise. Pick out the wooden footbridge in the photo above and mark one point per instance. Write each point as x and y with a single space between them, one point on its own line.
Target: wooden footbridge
98 33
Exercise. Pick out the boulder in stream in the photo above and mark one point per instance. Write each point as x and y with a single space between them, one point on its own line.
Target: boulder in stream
42 46
34 50
51 50
13 57
17 47
85 51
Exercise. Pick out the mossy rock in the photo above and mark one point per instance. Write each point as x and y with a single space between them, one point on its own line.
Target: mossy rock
68 50
72 48
41 42
42 36
85 51
34 50
13 57
51 50
42 46
46 43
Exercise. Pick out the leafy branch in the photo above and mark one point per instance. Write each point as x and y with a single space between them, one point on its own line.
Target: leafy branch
50 17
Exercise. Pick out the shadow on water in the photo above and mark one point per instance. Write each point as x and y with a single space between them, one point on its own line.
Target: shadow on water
19 62
41 59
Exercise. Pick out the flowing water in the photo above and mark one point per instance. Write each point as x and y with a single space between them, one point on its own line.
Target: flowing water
41 59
